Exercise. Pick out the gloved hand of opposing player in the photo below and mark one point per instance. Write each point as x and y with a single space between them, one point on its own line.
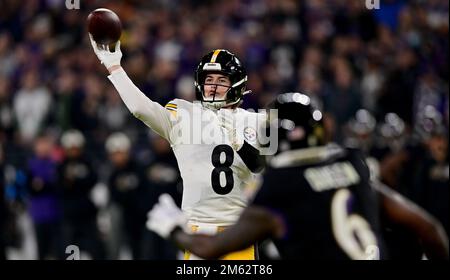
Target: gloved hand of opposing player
106 57
227 121
165 217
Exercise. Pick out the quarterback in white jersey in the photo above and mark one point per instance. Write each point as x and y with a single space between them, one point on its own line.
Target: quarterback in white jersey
215 142
214 173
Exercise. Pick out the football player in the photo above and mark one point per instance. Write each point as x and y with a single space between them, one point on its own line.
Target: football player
316 201
213 140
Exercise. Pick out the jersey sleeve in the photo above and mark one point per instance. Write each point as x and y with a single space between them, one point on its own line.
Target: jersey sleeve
151 113
172 107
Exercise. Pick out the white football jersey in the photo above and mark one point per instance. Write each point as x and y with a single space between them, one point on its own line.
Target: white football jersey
214 175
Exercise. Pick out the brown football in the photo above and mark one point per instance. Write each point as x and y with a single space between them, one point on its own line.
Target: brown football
104 25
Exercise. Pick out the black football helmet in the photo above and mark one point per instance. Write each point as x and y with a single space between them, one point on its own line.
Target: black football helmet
299 123
223 62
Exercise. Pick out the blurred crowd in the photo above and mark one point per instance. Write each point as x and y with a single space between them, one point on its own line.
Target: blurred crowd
85 172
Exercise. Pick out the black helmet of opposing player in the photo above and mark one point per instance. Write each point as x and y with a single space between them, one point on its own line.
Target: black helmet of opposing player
299 123
226 63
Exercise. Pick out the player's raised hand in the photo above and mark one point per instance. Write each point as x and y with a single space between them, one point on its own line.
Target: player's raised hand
227 121
106 57
165 217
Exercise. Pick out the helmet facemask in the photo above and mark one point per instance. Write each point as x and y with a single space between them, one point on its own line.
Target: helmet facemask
213 101
229 98
225 63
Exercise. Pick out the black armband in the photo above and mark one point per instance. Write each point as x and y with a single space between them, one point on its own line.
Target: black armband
251 157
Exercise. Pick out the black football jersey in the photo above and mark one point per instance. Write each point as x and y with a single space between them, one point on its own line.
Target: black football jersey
325 200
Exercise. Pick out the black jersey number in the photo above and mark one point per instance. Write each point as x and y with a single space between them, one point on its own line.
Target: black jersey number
224 167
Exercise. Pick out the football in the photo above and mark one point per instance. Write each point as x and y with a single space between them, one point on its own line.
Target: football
104 25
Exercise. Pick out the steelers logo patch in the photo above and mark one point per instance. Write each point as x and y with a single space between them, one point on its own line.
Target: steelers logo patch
250 134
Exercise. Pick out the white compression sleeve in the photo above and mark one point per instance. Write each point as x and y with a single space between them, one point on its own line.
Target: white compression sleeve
151 113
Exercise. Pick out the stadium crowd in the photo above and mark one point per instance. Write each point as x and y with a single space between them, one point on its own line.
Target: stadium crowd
81 170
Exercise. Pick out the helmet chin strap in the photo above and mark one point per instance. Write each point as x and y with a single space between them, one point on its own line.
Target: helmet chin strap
214 105
219 104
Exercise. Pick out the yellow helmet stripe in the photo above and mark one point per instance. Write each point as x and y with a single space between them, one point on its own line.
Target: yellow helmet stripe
214 56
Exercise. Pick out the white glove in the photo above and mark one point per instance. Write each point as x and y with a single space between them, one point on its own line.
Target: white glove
165 217
105 56
226 120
